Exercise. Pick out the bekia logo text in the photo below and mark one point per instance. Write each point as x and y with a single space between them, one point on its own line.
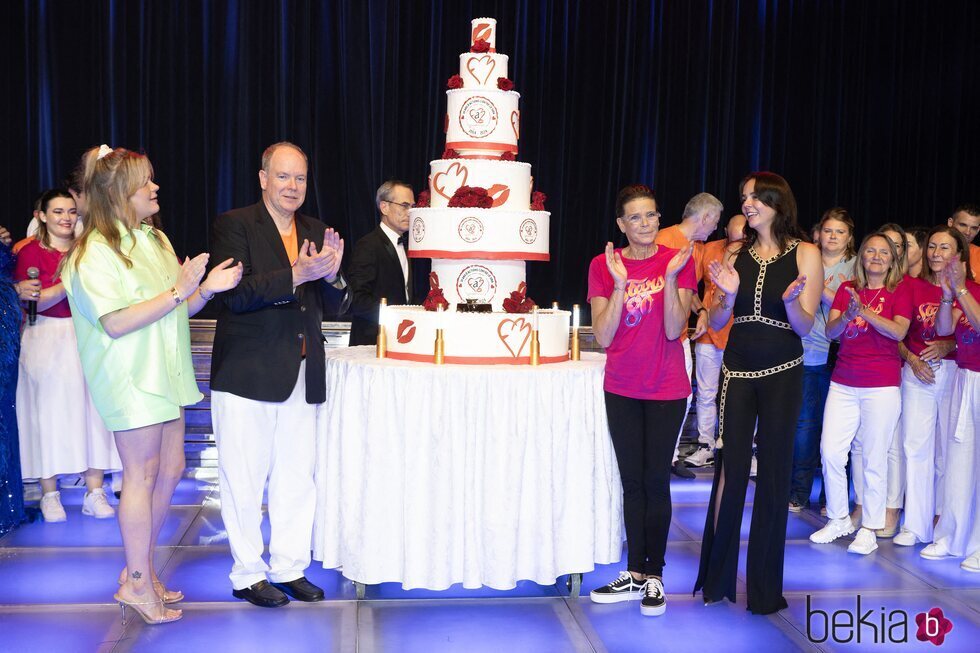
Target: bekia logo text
879 626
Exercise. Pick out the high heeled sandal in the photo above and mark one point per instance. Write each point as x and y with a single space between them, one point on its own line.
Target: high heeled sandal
169 596
136 607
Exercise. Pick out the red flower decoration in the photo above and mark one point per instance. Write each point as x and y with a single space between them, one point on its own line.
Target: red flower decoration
423 200
505 84
508 156
519 302
537 201
450 153
480 45
933 626
454 82
435 298
470 197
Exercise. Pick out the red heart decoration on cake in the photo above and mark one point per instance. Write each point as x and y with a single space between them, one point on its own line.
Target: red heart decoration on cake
482 31
476 66
499 193
510 331
475 283
406 331
515 123
453 180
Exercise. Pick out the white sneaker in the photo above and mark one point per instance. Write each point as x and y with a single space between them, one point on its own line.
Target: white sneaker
754 469
700 458
96 505
835 528
905 538
935 551
51 507
864 543
972 563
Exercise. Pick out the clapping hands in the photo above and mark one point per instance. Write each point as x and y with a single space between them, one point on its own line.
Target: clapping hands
223 276
323 264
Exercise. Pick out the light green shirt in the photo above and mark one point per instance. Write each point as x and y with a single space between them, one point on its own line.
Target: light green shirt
143 377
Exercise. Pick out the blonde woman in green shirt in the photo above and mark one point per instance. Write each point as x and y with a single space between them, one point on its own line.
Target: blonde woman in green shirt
131 298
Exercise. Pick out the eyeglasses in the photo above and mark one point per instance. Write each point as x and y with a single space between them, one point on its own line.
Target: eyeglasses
636 218
404 205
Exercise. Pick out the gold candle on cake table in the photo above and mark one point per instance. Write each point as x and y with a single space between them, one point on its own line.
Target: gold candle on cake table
576 352
439 352
535 345
381 348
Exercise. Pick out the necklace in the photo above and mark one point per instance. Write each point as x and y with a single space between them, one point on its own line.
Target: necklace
873 299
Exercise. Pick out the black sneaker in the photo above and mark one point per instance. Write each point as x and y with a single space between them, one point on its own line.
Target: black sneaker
623 588
795 506
654 601
680 469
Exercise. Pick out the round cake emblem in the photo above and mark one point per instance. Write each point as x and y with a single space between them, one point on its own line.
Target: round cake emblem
476 282
418 230
470 229
478 117
529 231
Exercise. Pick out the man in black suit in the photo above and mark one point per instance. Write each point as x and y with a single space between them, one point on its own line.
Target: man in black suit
268 377
379 266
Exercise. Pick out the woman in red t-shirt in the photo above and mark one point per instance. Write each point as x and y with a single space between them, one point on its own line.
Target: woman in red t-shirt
60 430
958 530
640 298
870 315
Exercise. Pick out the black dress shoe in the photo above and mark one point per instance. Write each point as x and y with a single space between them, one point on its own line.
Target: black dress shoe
680 469
302 590
262 594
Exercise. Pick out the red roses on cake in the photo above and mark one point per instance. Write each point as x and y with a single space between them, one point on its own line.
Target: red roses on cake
519 302
537 201
471 197
508 156
454 82
480 45
505 84
422 200
450 153
435 298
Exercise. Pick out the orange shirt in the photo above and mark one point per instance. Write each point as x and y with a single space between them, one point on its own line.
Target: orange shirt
975 262
713 251
291 244
674 238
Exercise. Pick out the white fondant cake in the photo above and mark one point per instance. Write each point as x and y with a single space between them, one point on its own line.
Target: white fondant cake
479 254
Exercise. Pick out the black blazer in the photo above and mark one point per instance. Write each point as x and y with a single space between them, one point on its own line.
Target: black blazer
262 323
374 272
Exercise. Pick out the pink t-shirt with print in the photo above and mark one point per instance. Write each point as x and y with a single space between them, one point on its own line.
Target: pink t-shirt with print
925 305
640 362
967 338
867 358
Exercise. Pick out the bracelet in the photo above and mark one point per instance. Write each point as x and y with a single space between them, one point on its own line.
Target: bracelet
723 303
947 302
176 295
207 298
962 291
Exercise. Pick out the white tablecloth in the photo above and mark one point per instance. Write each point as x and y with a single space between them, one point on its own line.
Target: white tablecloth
481 475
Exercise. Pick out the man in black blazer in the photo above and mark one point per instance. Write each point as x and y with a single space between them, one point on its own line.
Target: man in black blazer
379 266
268 377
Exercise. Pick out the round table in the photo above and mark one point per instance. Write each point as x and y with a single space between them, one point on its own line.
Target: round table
475 474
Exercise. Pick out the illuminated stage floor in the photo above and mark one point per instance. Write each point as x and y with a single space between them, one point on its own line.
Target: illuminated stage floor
57 581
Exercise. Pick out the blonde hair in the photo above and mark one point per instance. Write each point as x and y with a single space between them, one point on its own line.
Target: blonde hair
894 275
113 179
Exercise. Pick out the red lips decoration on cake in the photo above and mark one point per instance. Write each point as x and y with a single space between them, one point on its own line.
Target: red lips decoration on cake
406 331
482 31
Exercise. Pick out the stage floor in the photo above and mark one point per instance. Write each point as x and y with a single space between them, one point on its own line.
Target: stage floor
57 581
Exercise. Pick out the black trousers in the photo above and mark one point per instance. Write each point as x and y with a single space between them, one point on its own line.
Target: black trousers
775 401
644 432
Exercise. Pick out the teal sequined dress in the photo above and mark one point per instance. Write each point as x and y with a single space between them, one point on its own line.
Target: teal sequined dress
11 490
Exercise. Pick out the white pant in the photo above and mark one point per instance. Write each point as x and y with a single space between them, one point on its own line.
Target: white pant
708 364
688 365
959 524
866 417
259 440
925 418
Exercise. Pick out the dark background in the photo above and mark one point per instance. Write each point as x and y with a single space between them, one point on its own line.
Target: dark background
869 105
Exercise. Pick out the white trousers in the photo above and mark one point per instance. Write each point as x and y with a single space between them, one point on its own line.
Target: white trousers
866 417
925 426
689 366
708 363
259 440
959 524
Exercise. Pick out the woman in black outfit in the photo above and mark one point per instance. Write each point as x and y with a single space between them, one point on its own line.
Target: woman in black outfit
765 286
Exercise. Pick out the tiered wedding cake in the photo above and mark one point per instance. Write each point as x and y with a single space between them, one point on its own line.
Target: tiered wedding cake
479 229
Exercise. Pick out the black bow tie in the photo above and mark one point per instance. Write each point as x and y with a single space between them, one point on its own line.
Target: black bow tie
403 240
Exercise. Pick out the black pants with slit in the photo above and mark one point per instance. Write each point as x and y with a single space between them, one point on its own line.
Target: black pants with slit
644 432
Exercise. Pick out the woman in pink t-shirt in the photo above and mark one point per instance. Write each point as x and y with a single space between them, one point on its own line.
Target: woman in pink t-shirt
870 315
60 430
958 530
926 382
640 297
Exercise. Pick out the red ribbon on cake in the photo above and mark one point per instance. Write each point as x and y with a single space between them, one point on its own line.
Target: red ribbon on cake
519 302
435 298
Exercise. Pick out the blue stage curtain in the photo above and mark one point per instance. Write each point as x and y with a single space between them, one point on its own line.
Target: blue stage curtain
867 104
11 489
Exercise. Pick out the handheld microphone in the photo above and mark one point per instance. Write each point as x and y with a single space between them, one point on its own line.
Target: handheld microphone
32 274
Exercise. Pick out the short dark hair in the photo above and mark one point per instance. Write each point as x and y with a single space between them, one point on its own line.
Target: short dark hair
972 209
384 190
629 193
